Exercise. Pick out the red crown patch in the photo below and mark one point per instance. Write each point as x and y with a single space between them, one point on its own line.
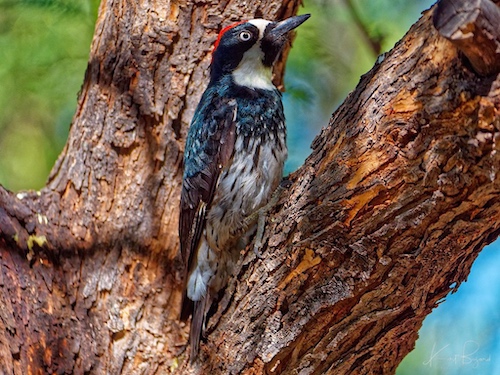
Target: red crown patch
223 31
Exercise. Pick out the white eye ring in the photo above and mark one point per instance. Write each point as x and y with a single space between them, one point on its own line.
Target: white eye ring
245 36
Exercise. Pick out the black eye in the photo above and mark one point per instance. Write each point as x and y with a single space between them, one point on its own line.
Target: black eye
245 36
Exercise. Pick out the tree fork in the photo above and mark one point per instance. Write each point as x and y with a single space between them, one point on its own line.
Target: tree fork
395 202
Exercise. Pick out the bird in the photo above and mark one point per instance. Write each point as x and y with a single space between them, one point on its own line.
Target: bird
233 160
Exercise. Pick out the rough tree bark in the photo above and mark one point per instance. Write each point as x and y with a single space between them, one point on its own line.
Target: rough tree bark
398 197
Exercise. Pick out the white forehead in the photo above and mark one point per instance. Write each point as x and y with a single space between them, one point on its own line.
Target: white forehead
260 24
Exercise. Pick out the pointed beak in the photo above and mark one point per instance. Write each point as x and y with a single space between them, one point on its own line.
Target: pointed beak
285 26
276 36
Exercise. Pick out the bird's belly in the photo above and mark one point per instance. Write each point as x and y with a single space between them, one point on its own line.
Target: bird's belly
244 187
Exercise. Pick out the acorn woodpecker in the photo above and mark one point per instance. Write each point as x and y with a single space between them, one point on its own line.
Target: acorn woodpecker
233 160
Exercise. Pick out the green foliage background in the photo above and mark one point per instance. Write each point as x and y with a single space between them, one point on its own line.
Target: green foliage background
44 47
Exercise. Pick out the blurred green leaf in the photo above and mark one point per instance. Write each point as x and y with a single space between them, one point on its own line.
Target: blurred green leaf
44 46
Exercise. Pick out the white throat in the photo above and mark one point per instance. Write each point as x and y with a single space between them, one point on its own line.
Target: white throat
251 72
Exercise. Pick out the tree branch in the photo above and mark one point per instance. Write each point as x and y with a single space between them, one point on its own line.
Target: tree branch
472 26
20 224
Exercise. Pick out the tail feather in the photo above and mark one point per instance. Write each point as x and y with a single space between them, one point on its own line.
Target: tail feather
197 323
186 309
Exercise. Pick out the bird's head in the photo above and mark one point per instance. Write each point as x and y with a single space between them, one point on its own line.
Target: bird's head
248 50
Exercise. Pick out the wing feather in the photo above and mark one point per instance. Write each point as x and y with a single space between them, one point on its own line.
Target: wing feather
215 149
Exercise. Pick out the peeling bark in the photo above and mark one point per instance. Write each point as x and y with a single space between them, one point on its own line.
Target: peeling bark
390 210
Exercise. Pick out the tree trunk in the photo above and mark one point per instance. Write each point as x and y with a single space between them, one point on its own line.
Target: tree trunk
385 217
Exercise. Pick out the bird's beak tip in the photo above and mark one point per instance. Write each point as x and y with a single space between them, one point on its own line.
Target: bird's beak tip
290 23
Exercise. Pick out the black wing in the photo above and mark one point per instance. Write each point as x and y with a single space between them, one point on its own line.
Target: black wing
210 142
